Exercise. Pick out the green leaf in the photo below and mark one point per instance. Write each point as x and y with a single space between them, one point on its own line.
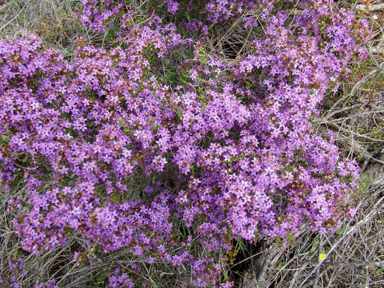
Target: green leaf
204 104
16 5
6 139
240 244
281 265
116 199
67 230
313 248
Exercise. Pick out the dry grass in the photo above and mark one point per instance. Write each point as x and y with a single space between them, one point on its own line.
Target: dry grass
52 20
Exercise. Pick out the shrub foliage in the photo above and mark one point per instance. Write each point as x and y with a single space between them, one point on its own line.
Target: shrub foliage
136 147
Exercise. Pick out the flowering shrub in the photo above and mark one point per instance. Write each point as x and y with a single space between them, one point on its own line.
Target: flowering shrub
108 150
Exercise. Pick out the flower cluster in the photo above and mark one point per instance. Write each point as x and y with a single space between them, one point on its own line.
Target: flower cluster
108 150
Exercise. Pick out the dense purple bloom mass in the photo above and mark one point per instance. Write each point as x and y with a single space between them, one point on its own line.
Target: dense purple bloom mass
237 138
